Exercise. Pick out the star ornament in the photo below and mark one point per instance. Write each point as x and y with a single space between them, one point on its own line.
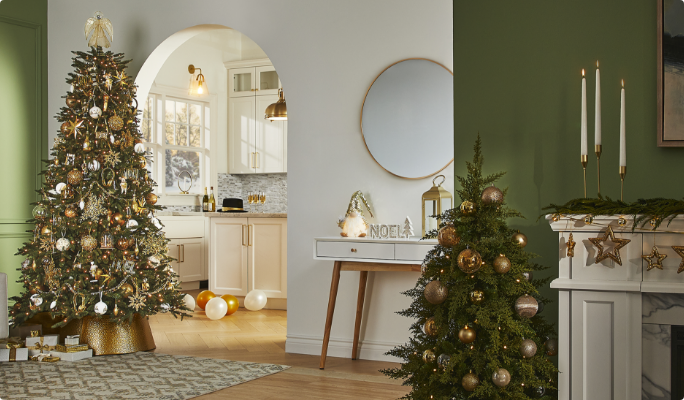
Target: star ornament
613 255
73 127
655 259
680 252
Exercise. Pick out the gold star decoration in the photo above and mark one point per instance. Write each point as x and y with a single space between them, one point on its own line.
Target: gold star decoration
680 252
121 77
571 246
137 301
73 127
94 208
112 158
613 255
655 259
47 244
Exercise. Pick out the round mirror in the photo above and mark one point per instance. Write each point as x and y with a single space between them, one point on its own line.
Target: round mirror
407 119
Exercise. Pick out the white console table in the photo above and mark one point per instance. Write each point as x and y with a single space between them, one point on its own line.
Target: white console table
365 255
602 308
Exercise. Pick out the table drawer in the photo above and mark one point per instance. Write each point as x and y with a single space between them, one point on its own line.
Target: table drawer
411 252
355 250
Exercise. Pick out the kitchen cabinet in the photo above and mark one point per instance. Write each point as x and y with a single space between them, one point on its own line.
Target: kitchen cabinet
247 254
261 80
186 246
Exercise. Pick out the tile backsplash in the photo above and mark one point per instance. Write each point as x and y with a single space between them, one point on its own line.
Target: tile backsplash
274 185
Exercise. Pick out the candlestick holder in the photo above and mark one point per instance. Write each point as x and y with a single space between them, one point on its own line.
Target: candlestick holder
585 161
597 149
623 172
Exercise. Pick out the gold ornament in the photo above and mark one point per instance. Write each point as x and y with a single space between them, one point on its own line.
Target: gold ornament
94 208
143 163
476 296
126 290
72 101
96 273
112 159
435 292
571 246
116 310
115 123
520 239
469 261
73 127
428 356
87 147
655 259
145 286
551 347
502 264
526 306
118 218
122 244
622 221
136 301
151 198
64 128
589 219
74 176
430 327
70 212
492 195
528 348
448 237
466 335
467 207
88 242
680 251
45 230
470 382
501 377
47 244
67 192
613 255
153 245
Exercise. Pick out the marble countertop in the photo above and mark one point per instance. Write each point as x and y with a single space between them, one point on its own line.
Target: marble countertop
219 214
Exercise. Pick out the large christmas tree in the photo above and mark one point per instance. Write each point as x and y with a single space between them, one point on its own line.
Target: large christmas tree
477 333
97 248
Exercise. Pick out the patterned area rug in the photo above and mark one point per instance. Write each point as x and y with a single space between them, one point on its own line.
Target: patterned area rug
149 376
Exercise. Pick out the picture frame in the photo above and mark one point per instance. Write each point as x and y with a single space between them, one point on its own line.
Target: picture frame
670 119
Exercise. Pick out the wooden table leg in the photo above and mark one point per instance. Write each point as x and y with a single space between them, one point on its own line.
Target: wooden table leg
363 278
331 309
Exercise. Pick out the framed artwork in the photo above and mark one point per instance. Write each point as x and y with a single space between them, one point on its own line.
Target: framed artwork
670 24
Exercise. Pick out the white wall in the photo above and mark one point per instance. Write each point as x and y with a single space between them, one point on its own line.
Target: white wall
326 53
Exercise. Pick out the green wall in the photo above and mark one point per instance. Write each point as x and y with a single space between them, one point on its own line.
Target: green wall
517 68
23 122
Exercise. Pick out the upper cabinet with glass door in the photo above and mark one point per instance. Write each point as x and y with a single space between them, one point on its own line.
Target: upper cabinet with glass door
249 81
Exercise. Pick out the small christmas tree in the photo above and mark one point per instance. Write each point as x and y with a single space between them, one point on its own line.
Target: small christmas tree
407 232
97 247
477 333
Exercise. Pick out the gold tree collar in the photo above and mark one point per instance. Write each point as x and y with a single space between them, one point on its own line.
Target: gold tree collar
613 255
680 252
655 259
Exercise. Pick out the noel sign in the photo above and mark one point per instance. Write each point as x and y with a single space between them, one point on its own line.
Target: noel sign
383 231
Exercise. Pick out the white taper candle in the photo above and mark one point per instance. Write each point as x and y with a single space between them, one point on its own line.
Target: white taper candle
623 144
584 115
597 114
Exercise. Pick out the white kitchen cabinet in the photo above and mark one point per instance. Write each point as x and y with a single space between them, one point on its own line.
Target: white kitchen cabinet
250 81
247 254
186 246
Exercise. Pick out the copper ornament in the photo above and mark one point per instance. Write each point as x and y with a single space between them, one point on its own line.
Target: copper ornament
70 212
492 195
115 123
88 242
72 101
476 296
502 264
467 207
448 237
75 176
435 292
428 356
151 198
526 306
118 218
469 261
430 327
122 244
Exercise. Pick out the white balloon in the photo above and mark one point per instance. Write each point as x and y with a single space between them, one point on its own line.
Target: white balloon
255 300
189 302
216 308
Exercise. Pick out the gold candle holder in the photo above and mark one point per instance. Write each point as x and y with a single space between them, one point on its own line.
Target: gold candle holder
585 161
597 149
623 172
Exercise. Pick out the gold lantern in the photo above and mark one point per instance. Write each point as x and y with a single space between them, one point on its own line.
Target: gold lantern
435 201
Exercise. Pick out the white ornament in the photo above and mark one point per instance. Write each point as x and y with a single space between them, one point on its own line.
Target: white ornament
111 138
63 244
407 232
53 305
139 148
60 186
95 112
93 165
100 307
36 300
354 226
26 263
132 225
81 204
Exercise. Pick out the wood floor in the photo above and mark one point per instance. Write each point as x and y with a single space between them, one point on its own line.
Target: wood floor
259 336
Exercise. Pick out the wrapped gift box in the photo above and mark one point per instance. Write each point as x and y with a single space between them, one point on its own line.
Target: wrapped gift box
80 355
41 344
71 348
24 331
11 355
8 342
71 340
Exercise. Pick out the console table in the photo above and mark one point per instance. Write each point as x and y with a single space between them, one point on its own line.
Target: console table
365 255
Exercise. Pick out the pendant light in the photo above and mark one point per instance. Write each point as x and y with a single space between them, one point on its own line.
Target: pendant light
278 110
198 86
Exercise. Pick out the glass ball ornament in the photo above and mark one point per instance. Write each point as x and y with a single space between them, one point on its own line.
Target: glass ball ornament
70 212
476 296
95 112
428 356
139 148
555 217
122 243
36 300
622 221
151 198
115 123
88 242
443 360
430 327
492 195
132 225
39 211
470 382
551 347
26 263
589 219
501 377
539 391
469 261
435 292
467 335
467 207
448 237
654 222
520 239
526 306
63 244
72 101
93 165
502 264
74 177
528 275
118 218
528 348
64 128
100 307
126 290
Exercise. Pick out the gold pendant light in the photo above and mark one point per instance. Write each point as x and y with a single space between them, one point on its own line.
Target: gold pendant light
278 110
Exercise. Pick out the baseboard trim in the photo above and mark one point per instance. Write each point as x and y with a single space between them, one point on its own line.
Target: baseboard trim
368 349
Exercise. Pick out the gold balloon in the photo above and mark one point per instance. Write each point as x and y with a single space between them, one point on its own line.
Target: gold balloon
74 176
520 239
233 303
126 289
477 296
467 207
428 356
466 335
492 195
204 297
448 237
430 327
502 264
469 261
470 382
526 306
435 292
151 198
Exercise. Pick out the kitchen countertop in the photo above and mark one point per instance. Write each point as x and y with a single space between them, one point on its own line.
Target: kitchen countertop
219 214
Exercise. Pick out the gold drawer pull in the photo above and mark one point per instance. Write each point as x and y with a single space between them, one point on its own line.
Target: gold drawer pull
353 250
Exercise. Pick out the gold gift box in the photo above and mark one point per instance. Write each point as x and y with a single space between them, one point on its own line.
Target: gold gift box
72 348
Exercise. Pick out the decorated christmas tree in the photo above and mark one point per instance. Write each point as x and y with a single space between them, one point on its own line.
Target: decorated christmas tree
97 248
478 333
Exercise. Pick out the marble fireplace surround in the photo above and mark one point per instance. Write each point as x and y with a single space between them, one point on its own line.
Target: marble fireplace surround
659 312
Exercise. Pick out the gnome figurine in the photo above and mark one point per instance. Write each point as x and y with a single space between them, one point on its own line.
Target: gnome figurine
354 224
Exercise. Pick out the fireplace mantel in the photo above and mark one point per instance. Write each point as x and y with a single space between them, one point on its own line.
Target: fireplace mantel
601 315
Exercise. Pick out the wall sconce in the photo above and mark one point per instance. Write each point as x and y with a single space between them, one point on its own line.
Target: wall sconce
278 110
198 86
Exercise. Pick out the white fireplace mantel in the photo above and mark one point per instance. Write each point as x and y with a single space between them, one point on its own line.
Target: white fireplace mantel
607 311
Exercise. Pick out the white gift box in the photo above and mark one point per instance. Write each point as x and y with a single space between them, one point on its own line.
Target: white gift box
79 355
48 344
20 355
71 340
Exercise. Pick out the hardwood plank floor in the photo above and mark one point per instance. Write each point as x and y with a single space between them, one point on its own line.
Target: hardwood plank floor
259 336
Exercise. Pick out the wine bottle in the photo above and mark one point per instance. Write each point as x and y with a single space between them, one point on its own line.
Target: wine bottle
212 201
205 201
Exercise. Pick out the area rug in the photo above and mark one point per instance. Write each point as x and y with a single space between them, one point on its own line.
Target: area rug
149 376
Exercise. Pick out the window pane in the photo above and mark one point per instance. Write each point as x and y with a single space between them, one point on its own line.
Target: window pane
181 112
148 110
195 114
170 107
178 161
169 133
182 134
195 136
268 80
146 128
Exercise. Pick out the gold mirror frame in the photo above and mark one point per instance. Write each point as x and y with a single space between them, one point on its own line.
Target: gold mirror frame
361 118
